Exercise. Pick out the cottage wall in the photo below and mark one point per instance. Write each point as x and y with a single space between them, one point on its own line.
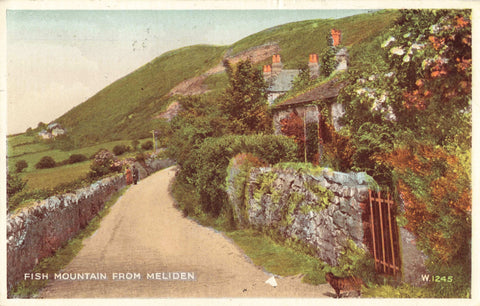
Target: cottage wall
309 112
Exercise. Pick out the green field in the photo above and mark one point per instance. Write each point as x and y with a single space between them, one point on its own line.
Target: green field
50 178
32 149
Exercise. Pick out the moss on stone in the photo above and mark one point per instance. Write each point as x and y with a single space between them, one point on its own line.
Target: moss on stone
265 182
324 196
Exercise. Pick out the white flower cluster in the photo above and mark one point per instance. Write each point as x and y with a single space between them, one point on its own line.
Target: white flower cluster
400 50
379 98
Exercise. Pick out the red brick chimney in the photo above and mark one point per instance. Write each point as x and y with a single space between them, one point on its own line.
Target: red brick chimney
336 37
267 71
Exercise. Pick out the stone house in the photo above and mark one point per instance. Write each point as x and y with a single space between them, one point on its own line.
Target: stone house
308 105
45 135
281 80
58 131
53 130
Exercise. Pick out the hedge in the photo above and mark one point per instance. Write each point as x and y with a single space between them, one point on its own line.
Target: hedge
206 167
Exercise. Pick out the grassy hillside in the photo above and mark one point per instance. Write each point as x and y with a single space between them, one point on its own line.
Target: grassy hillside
125 109
298 39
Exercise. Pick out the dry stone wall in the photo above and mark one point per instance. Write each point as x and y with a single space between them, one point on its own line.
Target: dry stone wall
38 231
321 209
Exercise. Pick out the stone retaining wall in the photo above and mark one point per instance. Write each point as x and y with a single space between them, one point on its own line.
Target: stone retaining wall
321 209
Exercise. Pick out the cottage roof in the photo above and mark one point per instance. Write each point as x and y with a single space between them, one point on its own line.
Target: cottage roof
283 81
323 91
53 125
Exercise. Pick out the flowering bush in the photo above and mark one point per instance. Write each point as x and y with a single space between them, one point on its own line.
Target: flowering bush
437 196
104 162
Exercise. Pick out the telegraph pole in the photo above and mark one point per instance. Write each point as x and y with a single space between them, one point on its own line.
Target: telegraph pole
154 142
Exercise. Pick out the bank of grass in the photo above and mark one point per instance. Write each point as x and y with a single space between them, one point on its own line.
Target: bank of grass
278 259
63 256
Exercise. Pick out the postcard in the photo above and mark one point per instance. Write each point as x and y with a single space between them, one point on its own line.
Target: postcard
239 152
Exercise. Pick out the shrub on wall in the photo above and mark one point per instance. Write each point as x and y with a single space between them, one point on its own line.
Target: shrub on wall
206 167
239 168
104 162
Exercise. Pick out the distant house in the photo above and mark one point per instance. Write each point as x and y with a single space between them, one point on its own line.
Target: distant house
52 126
45 135
53 130
57 131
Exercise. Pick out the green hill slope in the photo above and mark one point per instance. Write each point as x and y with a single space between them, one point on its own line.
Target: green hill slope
125 109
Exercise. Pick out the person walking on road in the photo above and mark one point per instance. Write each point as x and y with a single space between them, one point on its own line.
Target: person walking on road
135 175
128 176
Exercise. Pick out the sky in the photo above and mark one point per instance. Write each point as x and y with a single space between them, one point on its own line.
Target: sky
57 59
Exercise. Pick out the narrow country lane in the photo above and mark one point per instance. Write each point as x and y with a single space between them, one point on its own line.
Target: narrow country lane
145 234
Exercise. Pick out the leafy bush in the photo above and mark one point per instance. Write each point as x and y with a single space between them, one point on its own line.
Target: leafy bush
15 184
436 190
45 162
355 261
76 158
104 162
120 149
148 145
140 157
20 165
206 168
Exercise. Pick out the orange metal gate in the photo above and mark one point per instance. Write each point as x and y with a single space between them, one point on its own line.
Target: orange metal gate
383 230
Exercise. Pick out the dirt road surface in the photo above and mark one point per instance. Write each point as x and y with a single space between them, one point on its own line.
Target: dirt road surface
144 234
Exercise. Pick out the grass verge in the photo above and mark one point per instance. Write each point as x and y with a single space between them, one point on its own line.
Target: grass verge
63 256
279 259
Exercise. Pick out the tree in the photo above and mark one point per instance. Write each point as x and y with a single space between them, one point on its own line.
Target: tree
20 165
245 99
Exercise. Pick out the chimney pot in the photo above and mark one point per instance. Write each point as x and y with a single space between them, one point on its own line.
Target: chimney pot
336 37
